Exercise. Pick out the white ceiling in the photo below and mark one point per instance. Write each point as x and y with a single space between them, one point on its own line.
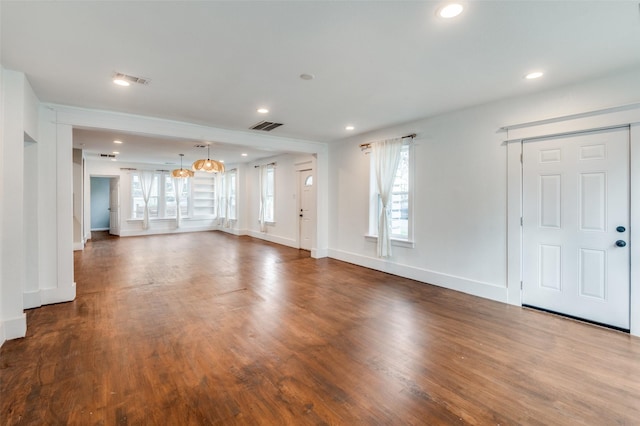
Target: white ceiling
376 63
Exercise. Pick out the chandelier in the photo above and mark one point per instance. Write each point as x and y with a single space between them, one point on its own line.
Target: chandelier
208 165
181 173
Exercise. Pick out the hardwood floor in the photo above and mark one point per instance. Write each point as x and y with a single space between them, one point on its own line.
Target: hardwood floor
208 328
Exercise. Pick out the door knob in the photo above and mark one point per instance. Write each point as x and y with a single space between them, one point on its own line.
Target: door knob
621 229
621 243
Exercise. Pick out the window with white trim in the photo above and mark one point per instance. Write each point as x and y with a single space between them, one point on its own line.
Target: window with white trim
269 215
232 179
401 199
162 201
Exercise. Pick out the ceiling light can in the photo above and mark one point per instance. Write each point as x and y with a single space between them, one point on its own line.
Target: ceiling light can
450 10
533 75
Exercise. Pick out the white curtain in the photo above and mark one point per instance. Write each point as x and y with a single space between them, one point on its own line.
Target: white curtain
178 187
386 156
262 184
146 184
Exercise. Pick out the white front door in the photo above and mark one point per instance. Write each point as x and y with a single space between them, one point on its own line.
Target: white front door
576 225
306 208
114 206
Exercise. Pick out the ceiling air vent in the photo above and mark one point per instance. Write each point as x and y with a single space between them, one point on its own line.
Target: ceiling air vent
108 155
199 145
131 79
266 126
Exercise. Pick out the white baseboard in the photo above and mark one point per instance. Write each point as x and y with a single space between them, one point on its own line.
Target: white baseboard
49 296
319 253
233 231
100 229
78 246
13 328
137 233
464 285
274 238
31 299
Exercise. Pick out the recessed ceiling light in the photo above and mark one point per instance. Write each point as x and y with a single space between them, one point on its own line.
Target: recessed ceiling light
222 161
263 110
117 141
307 76
244 154
121 82
116 152
534 75
450 10
349 128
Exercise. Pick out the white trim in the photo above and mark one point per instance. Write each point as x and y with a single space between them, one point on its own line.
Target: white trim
58 295
564 118
156 231
319 253
396 242
452 282
634 227
289 242
514 229
31 299
15 328
78 246
594 120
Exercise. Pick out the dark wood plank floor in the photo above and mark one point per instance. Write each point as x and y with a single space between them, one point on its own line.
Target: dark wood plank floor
208 328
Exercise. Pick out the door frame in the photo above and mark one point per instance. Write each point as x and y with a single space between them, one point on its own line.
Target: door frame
299 174
307 165
593 120
87 206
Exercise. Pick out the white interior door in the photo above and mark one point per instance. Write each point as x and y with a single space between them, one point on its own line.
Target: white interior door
114 206
576 225
306 208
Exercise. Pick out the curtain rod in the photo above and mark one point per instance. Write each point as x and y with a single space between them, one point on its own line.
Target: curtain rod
268 164
368 144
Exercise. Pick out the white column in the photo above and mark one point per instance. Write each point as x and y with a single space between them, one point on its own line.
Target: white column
12 274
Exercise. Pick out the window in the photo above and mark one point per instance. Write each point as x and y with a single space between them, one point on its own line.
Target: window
400 198
232 194
222 203
137 198
400 201
162 201
269 212
267 185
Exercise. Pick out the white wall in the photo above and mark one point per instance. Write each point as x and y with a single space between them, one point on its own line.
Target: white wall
461 187
285 229
13 248
2 201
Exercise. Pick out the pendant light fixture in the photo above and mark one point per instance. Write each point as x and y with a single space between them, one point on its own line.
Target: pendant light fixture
182 173
208 165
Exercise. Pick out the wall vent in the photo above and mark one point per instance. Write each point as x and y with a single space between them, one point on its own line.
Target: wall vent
131 78
108 155
266 126
199 145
